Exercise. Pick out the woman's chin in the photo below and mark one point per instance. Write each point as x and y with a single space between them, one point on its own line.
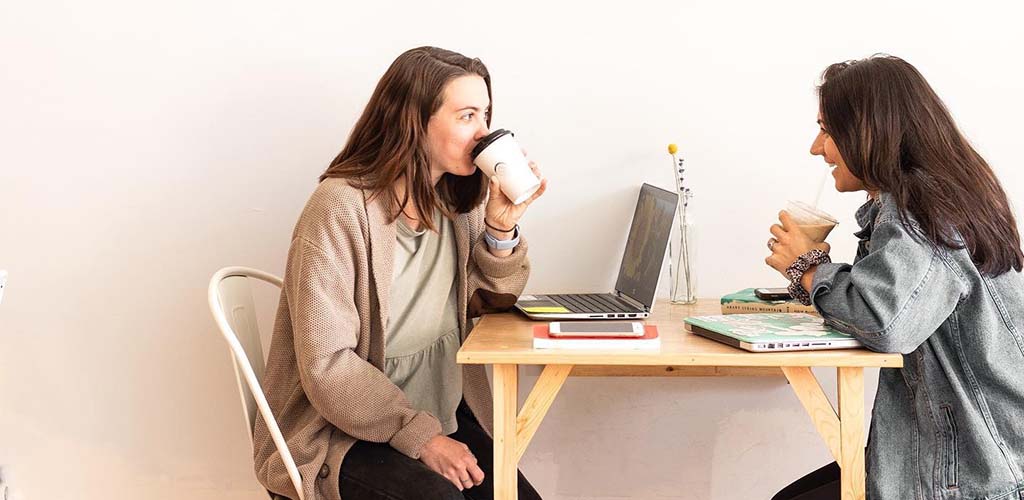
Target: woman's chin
461 171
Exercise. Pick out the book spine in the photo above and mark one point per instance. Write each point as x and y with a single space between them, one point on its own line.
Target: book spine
800 308
613 345
760 307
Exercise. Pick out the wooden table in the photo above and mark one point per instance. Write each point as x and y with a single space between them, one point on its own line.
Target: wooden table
506 341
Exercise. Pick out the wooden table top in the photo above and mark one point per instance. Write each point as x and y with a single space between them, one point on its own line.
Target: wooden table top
508 339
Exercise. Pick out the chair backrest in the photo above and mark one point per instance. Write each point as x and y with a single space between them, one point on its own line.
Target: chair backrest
234 310
235 295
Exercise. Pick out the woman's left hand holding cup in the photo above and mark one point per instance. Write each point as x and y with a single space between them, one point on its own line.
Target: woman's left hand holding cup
788 242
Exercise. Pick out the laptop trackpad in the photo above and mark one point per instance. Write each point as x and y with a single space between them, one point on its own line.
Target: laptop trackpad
539 304
534 301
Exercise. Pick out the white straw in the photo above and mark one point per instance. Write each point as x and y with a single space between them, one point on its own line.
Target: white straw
821 187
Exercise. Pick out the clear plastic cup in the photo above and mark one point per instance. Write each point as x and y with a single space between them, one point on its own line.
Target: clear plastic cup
815 223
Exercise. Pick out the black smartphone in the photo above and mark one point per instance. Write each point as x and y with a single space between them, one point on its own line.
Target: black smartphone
772 293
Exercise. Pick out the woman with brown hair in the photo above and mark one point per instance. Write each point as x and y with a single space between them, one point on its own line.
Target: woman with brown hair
937 277
403 242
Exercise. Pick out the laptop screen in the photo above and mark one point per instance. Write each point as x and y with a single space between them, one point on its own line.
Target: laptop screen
646 245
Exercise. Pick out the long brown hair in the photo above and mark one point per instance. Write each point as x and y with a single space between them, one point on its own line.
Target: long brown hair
389 140
897 136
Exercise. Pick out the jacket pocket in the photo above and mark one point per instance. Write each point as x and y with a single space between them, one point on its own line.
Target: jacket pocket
949 448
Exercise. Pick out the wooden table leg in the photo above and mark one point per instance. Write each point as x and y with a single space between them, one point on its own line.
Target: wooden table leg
851 429
823 416
506 408
537 404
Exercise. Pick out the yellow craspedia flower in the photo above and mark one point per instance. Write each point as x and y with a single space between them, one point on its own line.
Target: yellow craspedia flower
672 149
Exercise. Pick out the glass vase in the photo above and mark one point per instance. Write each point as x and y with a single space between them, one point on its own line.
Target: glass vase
682 264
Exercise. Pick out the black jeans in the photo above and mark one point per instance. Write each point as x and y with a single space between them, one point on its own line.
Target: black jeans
822 484
376 471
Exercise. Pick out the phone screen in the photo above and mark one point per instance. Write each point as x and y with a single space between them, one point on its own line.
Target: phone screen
597 327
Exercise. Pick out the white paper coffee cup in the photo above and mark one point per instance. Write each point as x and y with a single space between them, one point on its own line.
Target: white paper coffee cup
499 154
815 223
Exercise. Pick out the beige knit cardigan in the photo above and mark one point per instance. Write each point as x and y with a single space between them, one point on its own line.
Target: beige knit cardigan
324 378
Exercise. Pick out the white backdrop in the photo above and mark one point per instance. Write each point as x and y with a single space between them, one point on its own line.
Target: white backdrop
142 147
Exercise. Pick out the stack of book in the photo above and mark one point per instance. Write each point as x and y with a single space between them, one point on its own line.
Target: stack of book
745 302
543 340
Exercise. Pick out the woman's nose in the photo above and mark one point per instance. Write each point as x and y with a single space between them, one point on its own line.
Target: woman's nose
818 146
482 131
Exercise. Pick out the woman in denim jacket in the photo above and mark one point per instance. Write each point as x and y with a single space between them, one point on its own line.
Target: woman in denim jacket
936 278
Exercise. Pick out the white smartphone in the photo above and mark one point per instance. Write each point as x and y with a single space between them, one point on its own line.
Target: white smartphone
596 329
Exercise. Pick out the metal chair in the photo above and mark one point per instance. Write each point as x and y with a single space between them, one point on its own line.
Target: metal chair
234 311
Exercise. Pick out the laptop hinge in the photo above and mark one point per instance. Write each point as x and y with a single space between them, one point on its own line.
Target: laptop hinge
629 300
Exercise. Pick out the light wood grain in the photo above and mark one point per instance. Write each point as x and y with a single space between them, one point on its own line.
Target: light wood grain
538 403
675 371
506 401
824 417
851 422
508 338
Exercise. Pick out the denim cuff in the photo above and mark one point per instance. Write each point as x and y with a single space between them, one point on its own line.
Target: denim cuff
824 276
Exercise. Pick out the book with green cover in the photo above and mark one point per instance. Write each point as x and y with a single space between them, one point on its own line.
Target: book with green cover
771 331
745 301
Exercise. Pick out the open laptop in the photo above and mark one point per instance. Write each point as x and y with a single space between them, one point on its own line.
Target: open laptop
633 296
770 332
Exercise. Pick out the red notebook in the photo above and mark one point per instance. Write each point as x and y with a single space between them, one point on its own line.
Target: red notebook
650 340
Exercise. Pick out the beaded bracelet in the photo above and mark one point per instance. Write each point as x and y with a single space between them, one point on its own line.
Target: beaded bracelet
796 271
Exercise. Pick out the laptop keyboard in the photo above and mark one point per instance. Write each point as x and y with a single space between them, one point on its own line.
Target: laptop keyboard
593 303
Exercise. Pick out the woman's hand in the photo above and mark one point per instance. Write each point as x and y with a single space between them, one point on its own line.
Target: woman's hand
452 460
788 242
501 213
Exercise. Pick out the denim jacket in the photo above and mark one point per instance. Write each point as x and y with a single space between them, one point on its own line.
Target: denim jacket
950 423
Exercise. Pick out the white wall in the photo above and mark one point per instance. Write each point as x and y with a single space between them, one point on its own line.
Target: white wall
144 146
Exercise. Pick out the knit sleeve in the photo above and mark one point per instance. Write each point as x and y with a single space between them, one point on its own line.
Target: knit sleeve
495 283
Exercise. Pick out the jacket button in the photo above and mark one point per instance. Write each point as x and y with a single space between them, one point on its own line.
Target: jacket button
324 471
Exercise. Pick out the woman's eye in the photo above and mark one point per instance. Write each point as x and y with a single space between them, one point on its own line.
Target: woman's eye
467 116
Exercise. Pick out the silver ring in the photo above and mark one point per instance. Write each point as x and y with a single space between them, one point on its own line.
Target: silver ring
772 242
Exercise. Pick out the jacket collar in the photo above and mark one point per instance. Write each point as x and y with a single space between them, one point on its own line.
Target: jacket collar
866 215
382 255
464 247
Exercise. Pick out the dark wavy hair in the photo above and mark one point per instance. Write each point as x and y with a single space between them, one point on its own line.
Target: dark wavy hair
897 136
389 140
